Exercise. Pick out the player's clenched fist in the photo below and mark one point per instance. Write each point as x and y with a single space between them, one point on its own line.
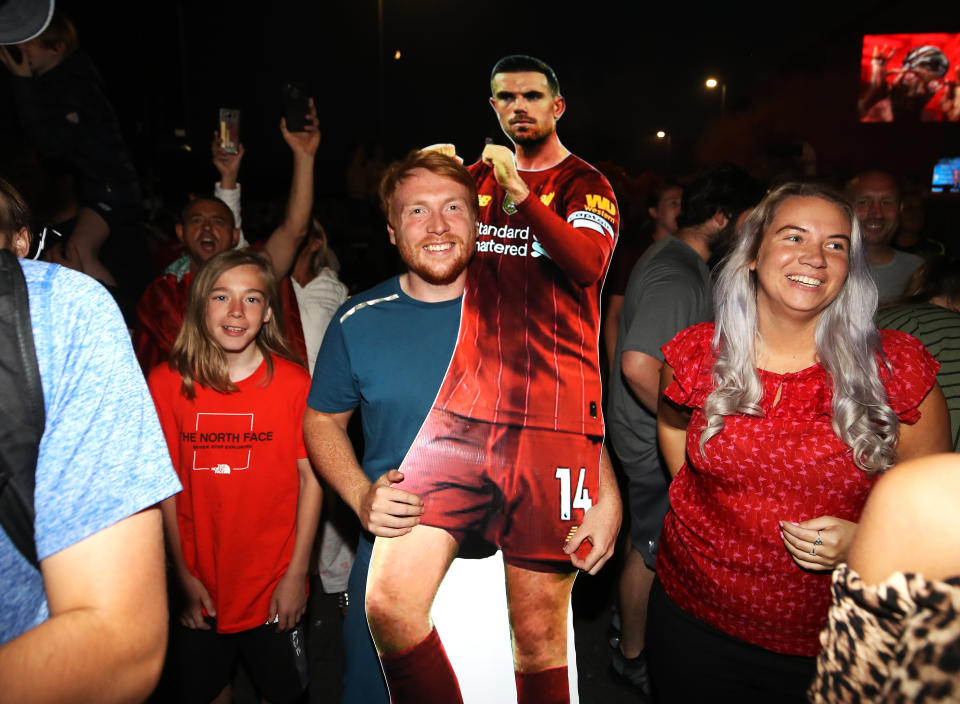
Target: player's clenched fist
505 171
444 148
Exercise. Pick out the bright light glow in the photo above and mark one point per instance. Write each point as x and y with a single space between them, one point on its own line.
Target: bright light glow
711 83
661 134
396 55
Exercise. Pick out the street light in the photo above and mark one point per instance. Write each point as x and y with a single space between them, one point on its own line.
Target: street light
712 83
663 137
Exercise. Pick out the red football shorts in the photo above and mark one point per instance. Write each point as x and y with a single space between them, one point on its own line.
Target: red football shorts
520 489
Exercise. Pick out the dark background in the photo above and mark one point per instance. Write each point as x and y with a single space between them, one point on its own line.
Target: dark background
627 69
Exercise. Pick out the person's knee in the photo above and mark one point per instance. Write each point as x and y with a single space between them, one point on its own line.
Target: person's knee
395 622
540 641
381 611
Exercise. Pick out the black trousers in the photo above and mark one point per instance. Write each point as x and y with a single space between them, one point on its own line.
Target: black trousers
691 661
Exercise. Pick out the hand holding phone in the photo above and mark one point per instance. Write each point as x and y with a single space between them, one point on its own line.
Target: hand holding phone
230 130
295 105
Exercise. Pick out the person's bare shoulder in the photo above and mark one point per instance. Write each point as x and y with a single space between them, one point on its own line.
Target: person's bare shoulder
911 522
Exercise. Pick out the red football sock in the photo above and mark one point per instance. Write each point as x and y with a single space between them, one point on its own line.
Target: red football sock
544 687
422 674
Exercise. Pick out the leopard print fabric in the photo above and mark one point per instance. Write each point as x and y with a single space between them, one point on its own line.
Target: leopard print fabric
897 641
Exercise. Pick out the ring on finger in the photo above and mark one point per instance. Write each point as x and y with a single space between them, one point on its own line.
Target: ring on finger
818 541
813 551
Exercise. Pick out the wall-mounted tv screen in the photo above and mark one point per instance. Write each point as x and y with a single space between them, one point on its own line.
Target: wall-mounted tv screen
910 78
946 176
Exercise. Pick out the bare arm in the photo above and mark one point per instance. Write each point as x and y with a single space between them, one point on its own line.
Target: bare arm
672 421
382 509
931 433
601 524
642 374
106 637
289 600
910 522
611 327
226 163
283 243
877 88
196 597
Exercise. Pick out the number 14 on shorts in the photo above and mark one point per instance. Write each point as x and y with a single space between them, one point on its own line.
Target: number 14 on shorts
572 499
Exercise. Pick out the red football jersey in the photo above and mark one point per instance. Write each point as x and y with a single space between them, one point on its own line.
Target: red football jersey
527 353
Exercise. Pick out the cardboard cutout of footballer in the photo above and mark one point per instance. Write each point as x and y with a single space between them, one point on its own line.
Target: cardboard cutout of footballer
509 458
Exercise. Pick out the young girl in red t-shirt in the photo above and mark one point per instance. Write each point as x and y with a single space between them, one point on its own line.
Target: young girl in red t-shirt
231 403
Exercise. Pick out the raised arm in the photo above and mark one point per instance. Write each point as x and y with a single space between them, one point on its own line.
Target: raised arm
877 88
582 252
283 243
227 188
382 509
106 637
227 164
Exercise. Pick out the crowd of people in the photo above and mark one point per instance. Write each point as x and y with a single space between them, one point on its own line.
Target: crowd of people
772 354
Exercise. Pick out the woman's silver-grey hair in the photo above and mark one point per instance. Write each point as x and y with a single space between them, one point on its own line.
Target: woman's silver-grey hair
848 344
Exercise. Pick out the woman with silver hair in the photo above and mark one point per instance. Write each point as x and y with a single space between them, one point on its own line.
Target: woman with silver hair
776 421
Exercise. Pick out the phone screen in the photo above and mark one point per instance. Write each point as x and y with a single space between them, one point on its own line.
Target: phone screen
230 130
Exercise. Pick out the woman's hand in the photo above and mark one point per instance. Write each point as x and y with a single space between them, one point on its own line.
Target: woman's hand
818 544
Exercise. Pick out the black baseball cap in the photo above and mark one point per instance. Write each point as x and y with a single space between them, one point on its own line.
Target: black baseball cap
22 20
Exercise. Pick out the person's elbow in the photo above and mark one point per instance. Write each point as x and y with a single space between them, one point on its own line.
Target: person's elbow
588 268
642 374
140 640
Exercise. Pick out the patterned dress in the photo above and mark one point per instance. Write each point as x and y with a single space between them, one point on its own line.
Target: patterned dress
722 559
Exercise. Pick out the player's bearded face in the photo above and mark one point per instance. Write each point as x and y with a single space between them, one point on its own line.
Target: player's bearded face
436 227
525 106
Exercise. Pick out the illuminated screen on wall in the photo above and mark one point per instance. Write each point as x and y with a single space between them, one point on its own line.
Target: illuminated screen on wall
946 176
909 78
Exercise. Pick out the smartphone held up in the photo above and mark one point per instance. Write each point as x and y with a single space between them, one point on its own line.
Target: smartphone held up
230 130
296 105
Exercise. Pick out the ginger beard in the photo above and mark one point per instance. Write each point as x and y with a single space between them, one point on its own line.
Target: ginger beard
436 229
435 270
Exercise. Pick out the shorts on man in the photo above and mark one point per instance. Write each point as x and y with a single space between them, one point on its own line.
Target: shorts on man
520 489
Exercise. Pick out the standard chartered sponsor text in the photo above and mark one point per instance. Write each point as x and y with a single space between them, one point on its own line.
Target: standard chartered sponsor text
505 233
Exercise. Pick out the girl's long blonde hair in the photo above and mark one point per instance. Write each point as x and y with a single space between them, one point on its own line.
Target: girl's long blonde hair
196 356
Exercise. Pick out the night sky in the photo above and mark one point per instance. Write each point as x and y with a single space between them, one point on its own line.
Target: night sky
626 69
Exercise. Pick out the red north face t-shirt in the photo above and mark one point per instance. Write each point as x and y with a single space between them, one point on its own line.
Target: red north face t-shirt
236 455
527 353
